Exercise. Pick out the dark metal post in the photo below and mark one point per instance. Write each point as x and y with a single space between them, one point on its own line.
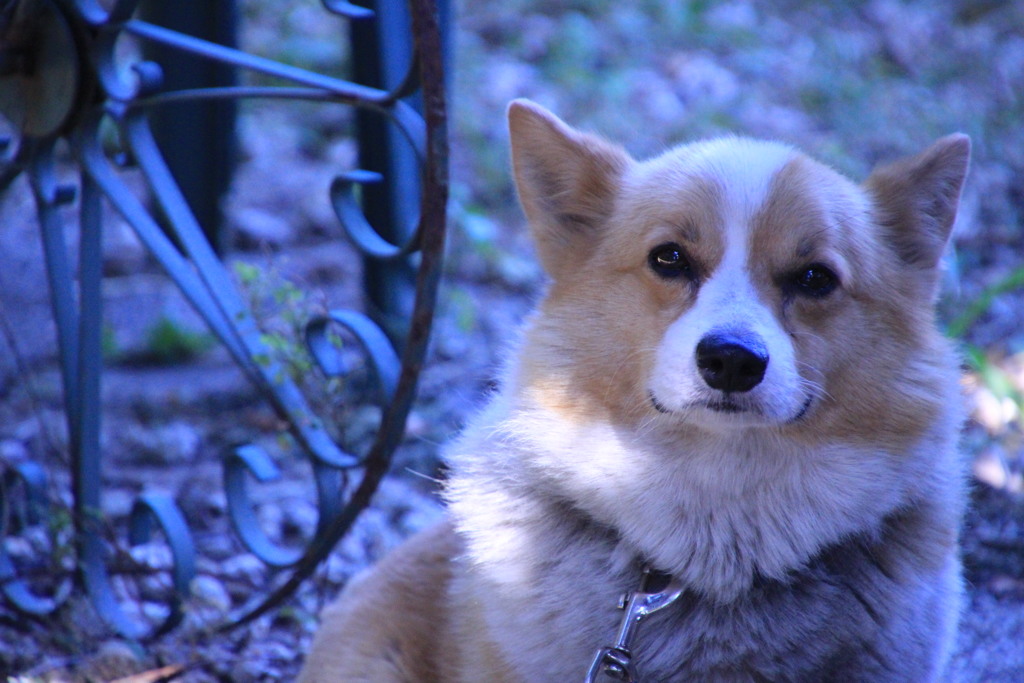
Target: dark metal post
382 50
197 138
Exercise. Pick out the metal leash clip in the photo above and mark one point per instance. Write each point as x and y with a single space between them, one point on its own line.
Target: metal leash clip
656 592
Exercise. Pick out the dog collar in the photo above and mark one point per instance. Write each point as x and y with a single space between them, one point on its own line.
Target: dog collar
657 591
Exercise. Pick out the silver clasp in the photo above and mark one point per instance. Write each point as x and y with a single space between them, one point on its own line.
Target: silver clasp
616 661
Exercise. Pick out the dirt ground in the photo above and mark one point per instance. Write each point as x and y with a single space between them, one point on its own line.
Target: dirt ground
851 85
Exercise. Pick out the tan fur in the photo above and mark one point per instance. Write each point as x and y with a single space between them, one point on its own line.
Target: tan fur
811 517
372 634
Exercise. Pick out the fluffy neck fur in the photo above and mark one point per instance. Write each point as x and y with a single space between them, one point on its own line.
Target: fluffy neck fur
718 510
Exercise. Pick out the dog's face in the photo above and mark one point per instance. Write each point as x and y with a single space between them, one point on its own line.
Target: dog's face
754 254
732 283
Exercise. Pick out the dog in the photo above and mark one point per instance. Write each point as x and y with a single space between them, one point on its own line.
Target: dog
734 380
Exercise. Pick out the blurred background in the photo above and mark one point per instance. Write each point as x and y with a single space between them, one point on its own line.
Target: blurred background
852 84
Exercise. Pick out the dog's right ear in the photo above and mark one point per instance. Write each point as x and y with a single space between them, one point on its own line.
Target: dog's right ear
918 198
567 180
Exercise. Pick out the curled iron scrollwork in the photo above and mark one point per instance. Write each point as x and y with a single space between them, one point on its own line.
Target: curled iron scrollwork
25 481
110 95
357 228
158 509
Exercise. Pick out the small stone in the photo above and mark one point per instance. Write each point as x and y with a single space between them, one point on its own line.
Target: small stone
117 503
123 253
118 649
300 516
210 592
994 413
254 670
19 547
990 468
155 612
175 442
416 424
255 227
277 651
152 555
338 570
219 547
701 78
271 519
246 566
198 502
206 565
1003 585
13 451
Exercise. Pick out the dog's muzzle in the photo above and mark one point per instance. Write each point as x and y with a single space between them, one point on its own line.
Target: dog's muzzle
731 362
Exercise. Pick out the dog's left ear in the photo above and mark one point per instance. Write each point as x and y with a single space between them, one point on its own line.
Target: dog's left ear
917 199
567 181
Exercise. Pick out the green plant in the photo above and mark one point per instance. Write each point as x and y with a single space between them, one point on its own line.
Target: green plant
989 372
281 309
977 308
108 342
167 342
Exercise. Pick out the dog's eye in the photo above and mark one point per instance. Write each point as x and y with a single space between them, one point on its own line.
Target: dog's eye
815 280
669 261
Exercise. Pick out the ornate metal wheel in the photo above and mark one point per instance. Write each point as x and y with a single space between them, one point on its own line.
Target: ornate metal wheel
62 80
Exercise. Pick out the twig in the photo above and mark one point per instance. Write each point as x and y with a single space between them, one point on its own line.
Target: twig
164 673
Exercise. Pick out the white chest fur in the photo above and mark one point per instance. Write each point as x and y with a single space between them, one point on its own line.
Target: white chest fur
556 518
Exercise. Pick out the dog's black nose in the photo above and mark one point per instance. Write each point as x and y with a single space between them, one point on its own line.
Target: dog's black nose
731 363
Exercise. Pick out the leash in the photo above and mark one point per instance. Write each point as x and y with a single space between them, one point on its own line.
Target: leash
657 591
